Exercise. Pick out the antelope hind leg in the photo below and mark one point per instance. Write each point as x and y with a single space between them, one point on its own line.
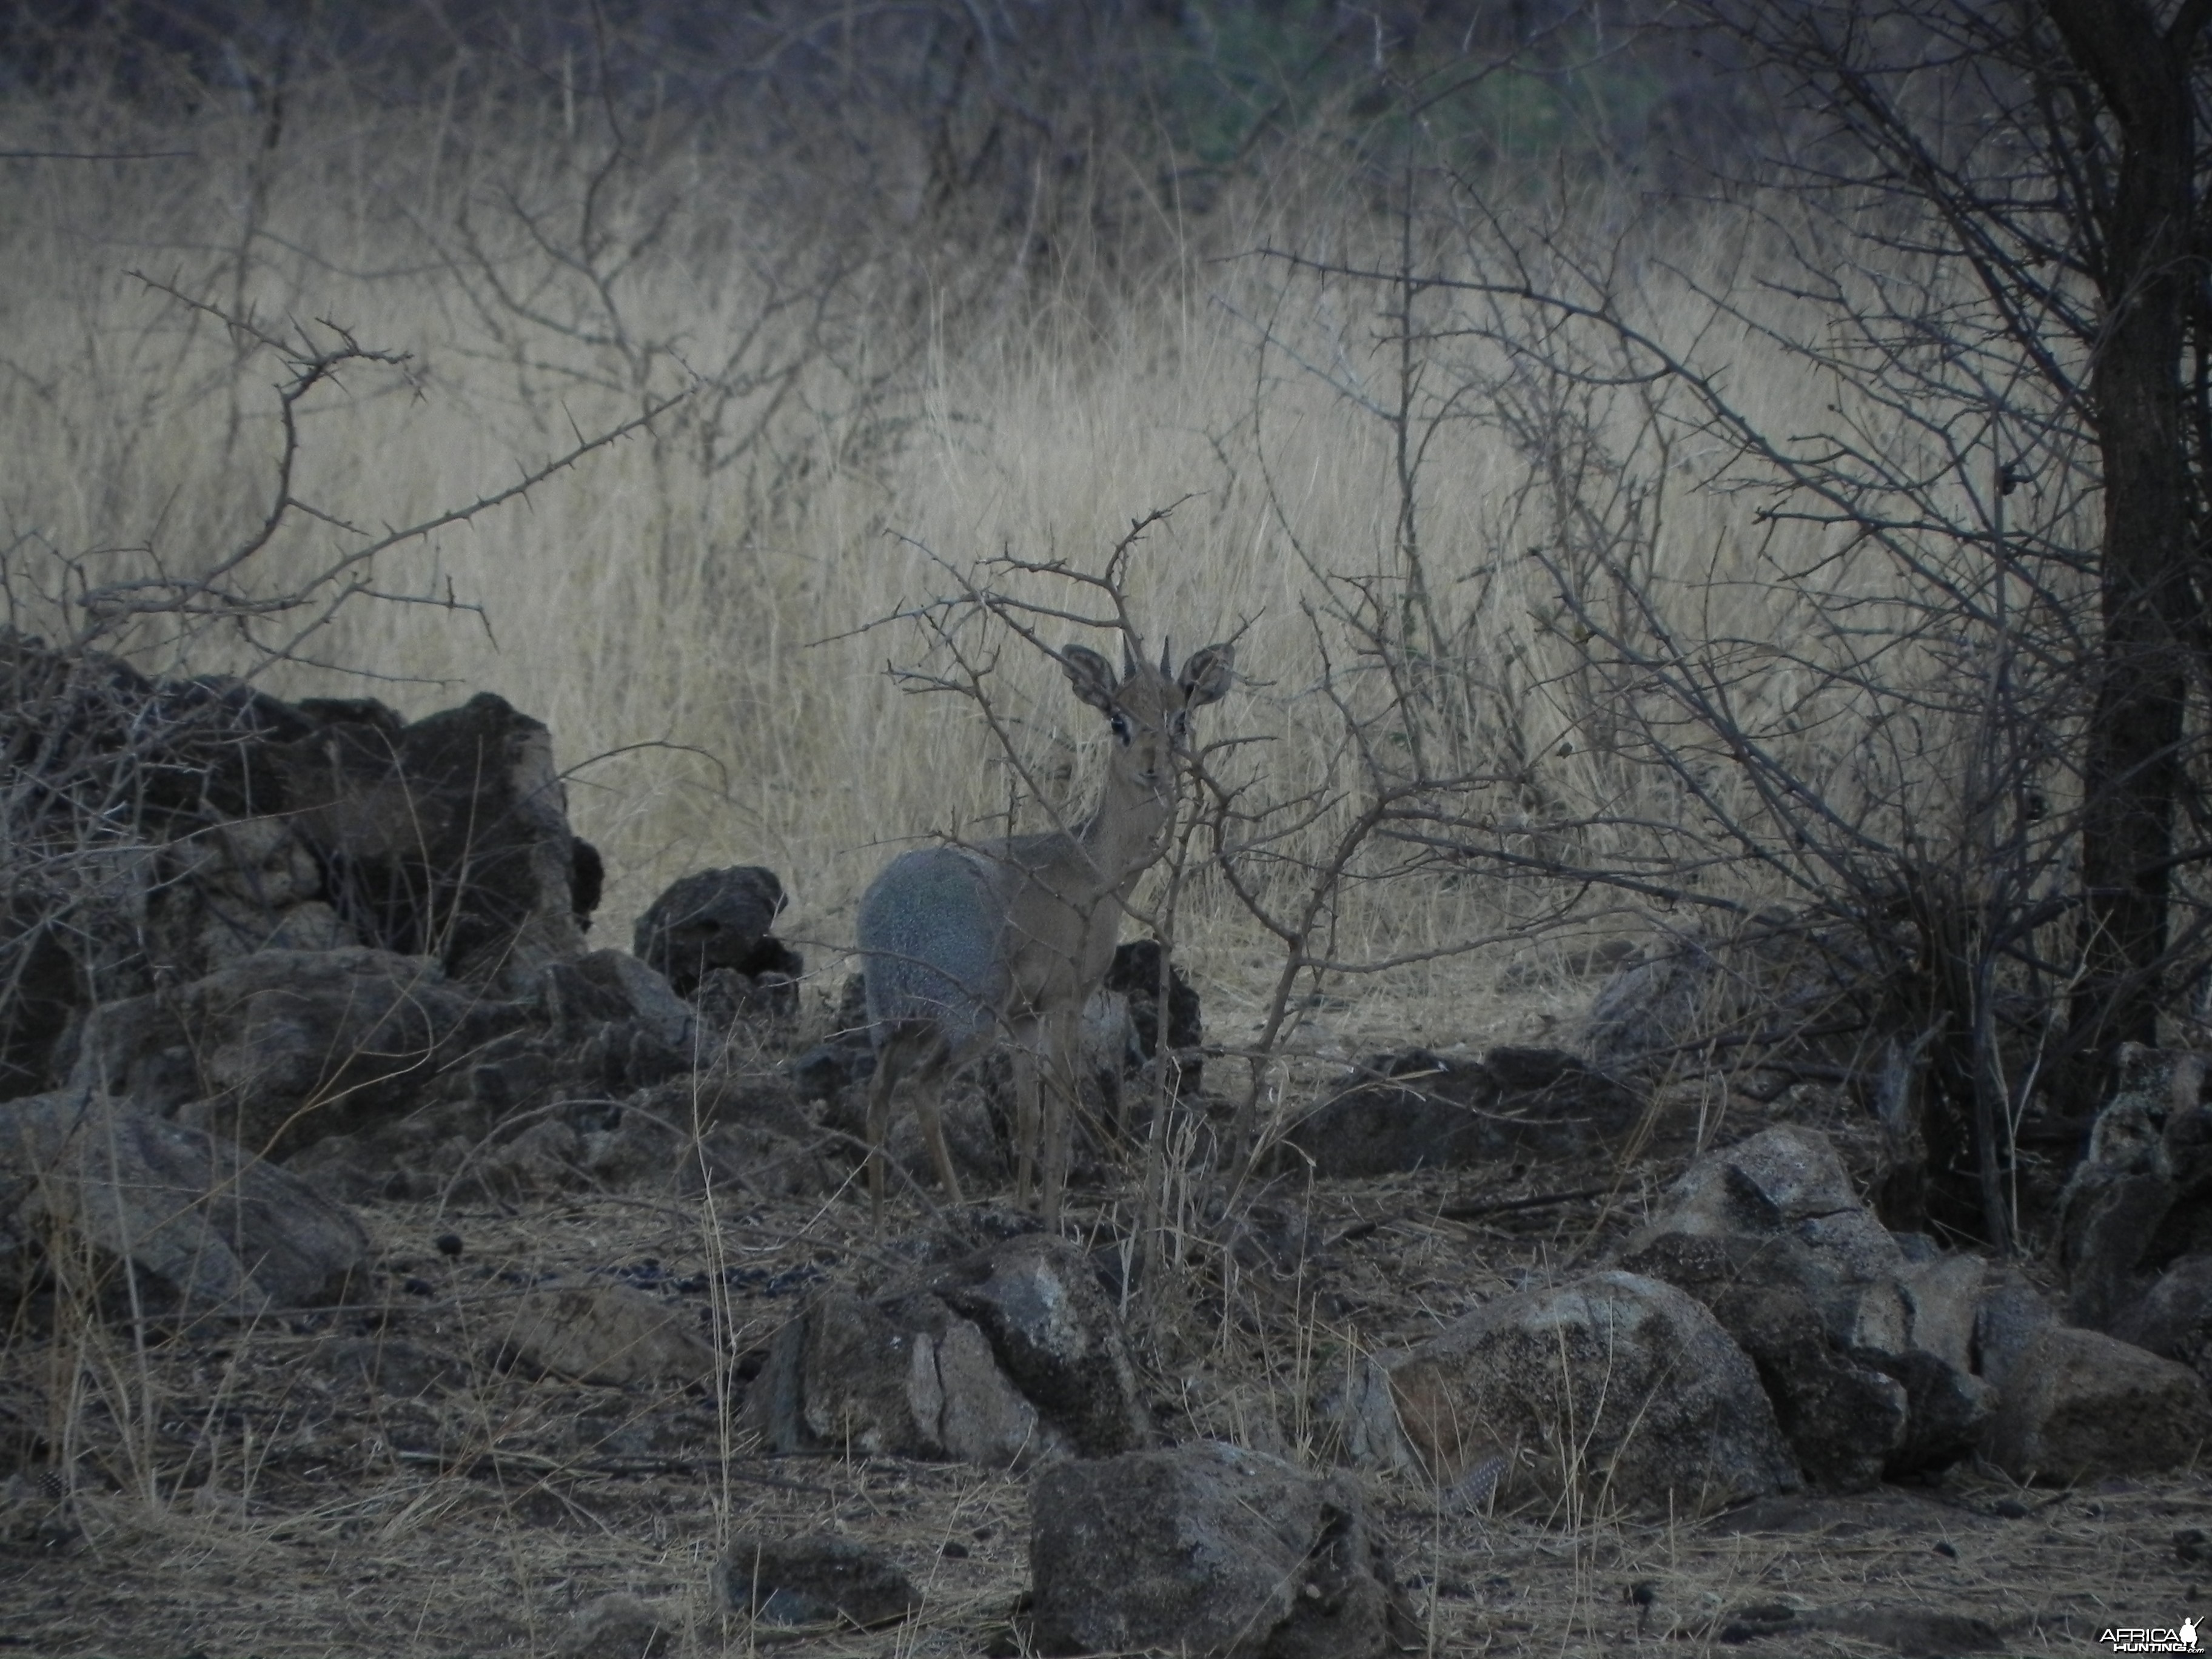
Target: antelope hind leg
1058 1090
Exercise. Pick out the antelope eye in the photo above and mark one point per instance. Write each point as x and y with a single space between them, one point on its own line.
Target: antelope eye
1179 725
1121 724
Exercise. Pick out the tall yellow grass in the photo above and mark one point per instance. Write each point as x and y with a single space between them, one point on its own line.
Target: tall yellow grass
707 636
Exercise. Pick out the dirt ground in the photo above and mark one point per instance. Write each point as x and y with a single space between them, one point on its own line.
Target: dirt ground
254 1492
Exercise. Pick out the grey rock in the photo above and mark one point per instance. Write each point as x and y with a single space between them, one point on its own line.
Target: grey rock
2078 1404
390 1365
606 1334
808 1580
2173 1318
714 919
225 1234
1208 1549
1868 1355
1615 1388
2010 1314
1055 1336
2150 1154
621 1627
1006 1356
288 1045
1415 1110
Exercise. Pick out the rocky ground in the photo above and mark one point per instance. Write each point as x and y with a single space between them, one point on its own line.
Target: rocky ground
385 1477
387 1270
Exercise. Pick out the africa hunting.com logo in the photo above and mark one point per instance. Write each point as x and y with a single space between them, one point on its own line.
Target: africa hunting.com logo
2153 1638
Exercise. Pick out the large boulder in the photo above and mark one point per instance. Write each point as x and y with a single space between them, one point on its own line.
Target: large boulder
219 1232
1613 1391
1006 1356
231 823
2079 1404
1207 1550
2142 1194
716 918
449 836
2173 1318
281 1048
1868 1355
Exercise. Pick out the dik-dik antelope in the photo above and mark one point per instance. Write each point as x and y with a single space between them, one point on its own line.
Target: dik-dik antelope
959 942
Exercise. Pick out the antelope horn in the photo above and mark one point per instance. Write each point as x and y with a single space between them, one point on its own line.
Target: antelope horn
1167 656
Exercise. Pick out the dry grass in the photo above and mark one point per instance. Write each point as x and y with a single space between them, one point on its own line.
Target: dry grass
694 623
291 1508
693 626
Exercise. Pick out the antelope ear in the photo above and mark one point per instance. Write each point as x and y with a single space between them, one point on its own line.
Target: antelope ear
1092 676
1206 676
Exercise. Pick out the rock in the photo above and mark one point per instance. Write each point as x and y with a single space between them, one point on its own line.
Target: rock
390 1365
288 1045
224 1233
2009 1314
2078 1404
1845 1420
606 1333
812 1581
2173 1318
2150 1157
617 1024
1615 1389
1057 1337
1415 1110
715 918
1006 1357
1206 1549
1135 977
621 1627
608 987
1868 1357
451 836
1778 975
1910 1631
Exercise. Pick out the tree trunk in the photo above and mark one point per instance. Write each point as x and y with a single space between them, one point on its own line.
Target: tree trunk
2131 769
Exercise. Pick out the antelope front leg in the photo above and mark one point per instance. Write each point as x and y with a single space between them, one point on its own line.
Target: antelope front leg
1026 1144
925 1107
879 1122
